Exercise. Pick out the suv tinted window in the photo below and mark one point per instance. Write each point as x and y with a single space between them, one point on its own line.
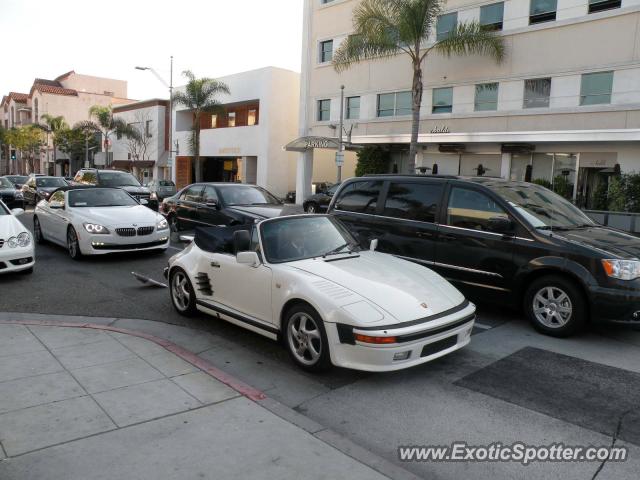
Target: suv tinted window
472 209
88 177
192 194
413 201
359 197
209 194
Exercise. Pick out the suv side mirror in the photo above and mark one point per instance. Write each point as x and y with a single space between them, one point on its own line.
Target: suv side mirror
248 258
212 203
500 225
373 245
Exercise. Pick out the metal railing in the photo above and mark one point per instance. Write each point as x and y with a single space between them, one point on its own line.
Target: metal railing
629 222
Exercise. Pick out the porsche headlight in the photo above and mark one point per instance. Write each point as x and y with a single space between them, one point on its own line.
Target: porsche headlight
622 269
162 224
96 229
24 239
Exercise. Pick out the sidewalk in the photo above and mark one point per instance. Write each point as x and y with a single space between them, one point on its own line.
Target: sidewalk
85 403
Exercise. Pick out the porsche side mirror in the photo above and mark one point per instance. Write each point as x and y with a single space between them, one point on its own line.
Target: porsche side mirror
17 211
373 245
248 258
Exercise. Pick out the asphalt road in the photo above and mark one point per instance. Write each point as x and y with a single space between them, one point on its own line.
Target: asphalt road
504 387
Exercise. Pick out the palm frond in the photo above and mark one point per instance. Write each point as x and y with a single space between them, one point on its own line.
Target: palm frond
87 126
357 48
471 38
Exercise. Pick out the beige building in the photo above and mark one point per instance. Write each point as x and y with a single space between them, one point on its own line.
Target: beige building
564 105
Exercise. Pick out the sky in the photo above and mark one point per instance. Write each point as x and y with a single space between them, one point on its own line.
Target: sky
45 38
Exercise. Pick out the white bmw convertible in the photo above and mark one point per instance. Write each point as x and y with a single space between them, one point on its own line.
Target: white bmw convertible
303 280
94 221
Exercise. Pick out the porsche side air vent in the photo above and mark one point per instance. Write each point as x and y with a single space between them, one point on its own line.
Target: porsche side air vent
204 284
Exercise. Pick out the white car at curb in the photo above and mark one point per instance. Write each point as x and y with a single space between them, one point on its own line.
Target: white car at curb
16 247
303 280
97 221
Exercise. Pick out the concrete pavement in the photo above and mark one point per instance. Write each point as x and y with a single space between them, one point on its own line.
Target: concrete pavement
94 403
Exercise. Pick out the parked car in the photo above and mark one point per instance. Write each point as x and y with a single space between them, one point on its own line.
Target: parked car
17 180
161 189
16 248
11 197
316 188
501 241
304 280
319 202
97 220
115 178
219 204
39 188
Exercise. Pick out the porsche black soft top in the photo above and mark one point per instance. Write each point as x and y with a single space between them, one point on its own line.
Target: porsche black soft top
218 239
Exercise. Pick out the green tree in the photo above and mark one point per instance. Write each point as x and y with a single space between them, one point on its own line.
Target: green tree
52 125
385 28
106 124
28 139
73 142
199 96
371 160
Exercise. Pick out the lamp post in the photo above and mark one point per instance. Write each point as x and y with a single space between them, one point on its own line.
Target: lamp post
170 87
340 152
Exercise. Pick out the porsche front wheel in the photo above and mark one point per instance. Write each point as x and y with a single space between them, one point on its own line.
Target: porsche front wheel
306 339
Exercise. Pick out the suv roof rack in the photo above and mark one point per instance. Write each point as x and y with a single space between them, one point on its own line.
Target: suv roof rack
411 175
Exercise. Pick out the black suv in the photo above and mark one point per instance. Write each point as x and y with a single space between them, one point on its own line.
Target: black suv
115 178
211 204
501 241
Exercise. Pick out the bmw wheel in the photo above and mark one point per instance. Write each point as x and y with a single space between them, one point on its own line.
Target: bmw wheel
306 339
183 296
37 231
555 306
73 245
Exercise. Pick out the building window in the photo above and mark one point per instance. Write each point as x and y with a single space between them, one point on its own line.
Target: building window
147 128
542 11
252 117
231 122
324 110
394 104
445 24
600 5
536 93
595 88
324 2
326 51
353 108
491 16
486 97
442 100
214 121
36 118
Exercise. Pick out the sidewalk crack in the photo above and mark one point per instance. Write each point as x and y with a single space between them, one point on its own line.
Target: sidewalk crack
614 439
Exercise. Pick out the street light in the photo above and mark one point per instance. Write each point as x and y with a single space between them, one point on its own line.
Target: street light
170 87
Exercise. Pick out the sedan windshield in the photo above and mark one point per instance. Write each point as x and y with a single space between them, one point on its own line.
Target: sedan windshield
297 238
100 197
246 195
47 182
118 179
542 208
4 183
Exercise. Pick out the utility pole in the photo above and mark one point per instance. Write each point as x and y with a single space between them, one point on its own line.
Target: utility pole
340 152
171 159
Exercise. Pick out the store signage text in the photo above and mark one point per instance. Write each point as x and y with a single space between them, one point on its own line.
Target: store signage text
317 143
442 129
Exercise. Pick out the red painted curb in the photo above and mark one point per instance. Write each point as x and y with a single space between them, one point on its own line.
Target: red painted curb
190 357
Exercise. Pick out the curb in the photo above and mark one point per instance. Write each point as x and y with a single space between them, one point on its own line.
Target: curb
326 435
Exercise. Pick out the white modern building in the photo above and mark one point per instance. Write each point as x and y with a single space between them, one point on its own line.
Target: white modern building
564 103
145 157
244 142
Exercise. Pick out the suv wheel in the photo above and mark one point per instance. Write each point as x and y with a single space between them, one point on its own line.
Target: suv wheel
555 306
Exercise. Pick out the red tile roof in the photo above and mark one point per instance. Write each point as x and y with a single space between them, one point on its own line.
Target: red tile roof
19 97
65 75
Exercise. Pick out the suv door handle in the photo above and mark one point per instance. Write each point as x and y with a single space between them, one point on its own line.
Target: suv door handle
424 234
215 264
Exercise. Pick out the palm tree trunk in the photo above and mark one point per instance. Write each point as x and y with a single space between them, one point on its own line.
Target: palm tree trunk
416 98
196 150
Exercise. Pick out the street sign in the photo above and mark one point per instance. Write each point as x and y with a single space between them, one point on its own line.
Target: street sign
339 159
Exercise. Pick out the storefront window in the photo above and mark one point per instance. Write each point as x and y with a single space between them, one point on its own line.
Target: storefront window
486 165
519 163
556 171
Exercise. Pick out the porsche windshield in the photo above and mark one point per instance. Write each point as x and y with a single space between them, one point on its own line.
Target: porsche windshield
246 195
4 183
542 208
297 238
100 197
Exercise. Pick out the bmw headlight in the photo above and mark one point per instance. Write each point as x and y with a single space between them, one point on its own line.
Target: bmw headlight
95 228
24 239
622 269
45 194
162 224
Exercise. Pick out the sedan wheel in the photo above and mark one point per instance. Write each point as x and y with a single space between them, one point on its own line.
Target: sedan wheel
555 306
312 208
306 339
73 245
182 294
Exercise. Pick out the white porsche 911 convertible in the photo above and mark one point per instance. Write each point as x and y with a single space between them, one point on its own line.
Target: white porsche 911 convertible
16 248
303 280
96 220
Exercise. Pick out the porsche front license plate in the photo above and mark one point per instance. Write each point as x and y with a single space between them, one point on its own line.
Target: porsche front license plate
438 346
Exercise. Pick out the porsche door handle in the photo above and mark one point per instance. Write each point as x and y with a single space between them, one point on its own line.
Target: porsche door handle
215 264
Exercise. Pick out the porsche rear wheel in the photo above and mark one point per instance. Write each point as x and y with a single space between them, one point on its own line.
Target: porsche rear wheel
306 339
183 296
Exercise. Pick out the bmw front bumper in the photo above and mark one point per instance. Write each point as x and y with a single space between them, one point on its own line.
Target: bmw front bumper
91 244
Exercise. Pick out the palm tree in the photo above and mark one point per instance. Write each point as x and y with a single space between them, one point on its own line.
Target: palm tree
53 125
199 96
106 124
385 28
